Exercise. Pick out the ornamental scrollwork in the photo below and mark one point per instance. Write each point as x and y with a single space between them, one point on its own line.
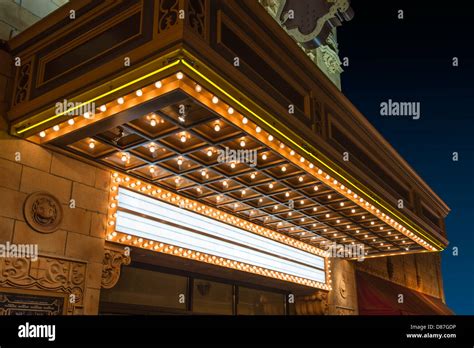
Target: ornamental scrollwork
331 59
47 274
22 83
196 16
168 13
112 263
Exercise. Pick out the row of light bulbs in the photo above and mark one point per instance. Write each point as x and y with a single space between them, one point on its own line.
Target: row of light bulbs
339 187
212 259
125 157
103 108
182 202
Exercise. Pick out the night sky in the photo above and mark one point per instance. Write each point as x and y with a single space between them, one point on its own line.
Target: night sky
411 60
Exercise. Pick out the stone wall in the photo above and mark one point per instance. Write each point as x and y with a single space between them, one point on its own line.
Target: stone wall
78 244
342 300
16 17
420 272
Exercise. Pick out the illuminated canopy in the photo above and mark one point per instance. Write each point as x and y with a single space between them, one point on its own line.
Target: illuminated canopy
169 127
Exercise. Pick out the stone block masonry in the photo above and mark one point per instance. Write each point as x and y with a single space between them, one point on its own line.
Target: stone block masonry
82 191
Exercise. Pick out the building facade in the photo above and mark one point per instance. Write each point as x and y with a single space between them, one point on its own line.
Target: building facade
178 156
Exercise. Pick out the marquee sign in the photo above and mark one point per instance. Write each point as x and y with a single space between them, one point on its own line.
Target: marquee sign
148 218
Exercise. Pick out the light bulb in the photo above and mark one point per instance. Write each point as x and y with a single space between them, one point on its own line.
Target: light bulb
270 137
70 121
179 75
180 161
283 169
230 110
258 129
183 138
152 170
153 122
56 128
198 88
158 84
91 145
42 134
264 157
120 100
245 120
103 108
215 100
209 153
87 115
152 148
217 128
242 143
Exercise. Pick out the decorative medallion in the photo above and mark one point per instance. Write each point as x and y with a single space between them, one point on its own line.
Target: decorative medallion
43 212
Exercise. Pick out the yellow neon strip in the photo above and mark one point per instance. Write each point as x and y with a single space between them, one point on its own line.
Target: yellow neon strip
176 62
189 66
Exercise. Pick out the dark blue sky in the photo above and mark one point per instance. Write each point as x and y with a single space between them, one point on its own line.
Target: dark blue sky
411 60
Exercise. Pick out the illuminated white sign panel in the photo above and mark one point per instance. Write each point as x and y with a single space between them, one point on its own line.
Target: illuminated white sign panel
150 218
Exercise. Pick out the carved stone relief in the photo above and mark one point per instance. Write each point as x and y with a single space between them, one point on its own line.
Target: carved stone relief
22 83
316 304
43 212
343 288
113 261
46 274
